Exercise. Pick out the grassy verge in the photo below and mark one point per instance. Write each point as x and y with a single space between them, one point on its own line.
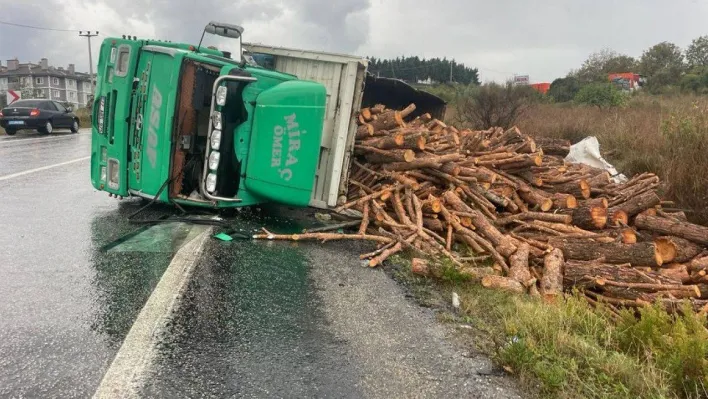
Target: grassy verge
667 136
570 350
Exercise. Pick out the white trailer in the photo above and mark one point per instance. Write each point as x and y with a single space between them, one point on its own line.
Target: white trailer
349 87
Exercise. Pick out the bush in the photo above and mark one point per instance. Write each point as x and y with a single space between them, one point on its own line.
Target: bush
564 89
493 105
601 95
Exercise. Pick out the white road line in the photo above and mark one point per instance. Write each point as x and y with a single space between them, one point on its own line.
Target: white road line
56 165
136 355
38 139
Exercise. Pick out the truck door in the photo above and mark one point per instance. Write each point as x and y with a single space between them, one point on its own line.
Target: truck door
149 143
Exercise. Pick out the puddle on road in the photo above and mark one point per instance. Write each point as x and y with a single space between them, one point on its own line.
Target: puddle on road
166 237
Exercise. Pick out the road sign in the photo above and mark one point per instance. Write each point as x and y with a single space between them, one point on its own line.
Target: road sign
521 79
12 96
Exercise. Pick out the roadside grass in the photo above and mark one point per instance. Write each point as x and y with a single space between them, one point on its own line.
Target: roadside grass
667 136
569 349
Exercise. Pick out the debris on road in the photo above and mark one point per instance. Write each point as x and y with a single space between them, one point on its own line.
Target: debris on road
539 224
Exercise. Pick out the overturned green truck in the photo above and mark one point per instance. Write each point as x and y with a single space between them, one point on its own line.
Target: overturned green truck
192 125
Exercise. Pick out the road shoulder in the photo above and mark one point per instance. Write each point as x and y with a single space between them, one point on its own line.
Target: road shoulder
400 348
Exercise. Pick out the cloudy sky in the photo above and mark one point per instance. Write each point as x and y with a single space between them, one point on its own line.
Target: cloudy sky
500 37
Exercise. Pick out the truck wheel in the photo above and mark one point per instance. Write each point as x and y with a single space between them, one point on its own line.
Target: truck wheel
47 129
75 126
10 132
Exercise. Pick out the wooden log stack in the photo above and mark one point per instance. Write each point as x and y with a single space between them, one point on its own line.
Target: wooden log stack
534 223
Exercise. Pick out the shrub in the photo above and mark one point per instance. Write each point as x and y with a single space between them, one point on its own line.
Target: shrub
601 95
564 89
493 105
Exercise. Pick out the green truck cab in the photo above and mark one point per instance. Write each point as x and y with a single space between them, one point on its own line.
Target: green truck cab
184 124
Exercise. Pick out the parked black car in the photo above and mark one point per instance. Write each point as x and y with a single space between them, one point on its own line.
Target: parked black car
39 114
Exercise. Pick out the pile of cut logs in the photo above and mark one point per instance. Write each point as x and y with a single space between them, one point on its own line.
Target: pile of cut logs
506 209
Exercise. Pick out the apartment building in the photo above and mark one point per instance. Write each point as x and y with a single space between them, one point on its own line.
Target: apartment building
41 80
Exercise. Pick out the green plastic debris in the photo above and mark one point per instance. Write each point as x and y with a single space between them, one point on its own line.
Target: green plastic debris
223 237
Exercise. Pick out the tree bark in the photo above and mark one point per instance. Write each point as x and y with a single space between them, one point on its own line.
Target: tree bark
519 265
689 231
552 280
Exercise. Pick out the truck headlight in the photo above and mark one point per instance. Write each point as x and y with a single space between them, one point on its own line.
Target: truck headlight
103 173
211 182
221 95
215 139
113 173
214 158
216 120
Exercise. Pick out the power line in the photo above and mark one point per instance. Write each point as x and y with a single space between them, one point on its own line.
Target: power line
37 27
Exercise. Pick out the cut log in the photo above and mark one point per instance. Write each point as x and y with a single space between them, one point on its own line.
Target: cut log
689 231
552 280
420 163
519 265
641 254
563 201
481 174
420 266
546 217
388 120
552 146
535 199
698 264
629 236
590 217
503 283
676 249
392 141
364 131
617 217
579 189
408 110
375 155
503 243
638 203
625 282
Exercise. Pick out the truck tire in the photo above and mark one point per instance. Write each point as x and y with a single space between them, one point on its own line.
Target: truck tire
10 132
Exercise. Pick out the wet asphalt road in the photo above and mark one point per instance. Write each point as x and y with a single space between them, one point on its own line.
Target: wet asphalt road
66 302
260 319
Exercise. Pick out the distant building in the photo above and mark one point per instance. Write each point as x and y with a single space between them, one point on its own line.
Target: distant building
44 81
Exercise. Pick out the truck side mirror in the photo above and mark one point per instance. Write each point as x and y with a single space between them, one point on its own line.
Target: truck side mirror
225 30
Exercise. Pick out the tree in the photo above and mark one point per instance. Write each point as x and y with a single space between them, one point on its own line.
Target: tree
413 69
564 89
492 104
697 52
600 95
664 59
599 64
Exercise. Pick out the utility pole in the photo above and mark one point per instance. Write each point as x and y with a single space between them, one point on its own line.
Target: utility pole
450 71
88 35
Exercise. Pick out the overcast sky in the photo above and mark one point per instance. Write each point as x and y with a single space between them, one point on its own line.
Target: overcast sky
500 37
